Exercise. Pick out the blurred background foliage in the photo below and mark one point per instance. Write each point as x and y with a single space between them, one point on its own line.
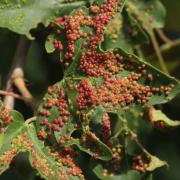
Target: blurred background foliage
42 70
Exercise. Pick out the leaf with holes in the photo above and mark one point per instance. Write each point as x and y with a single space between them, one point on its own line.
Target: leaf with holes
54 119
24 15
74 39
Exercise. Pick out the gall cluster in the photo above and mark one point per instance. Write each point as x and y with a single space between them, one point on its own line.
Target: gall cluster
139 164
93 19
5 118
58 102
113 81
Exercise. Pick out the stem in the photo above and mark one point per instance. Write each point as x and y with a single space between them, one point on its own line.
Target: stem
16 75
139 52
126 153
142 147
163 36
168 46
20 55
18 79
5 93
124 121
158 53
139 144
30 120
9 100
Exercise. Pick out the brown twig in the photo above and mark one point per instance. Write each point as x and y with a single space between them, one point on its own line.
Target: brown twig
158 52
16 75
20 55
18 80
163 36
167 46
6 93
9 100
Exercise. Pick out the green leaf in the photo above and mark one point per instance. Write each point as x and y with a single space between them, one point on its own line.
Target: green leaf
96 119
100 2
7 151
69 126
49 45
89 120
11 123
49 163
24 15
54 111
123 31
79 45
109 82
155 163
149 14
94 2
94 147
159 79
101 173
158 116
150 77
136 120
45 160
